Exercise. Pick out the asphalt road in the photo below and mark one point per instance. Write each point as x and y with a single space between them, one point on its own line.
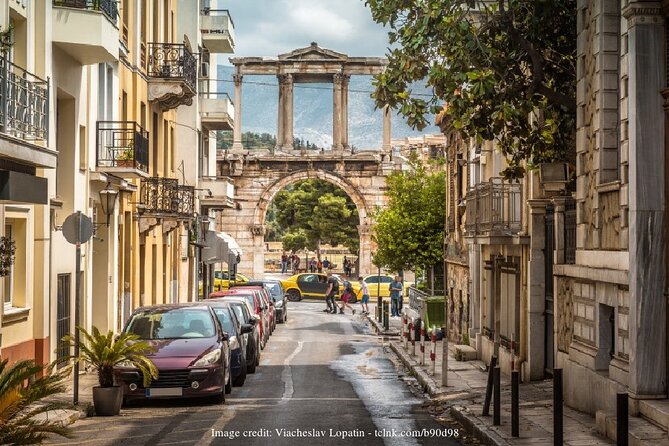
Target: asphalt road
323 379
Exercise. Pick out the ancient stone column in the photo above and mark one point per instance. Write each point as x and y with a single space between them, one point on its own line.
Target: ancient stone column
386 129
647 240
365 257
280 113
288 113
237 131
344 110
337 80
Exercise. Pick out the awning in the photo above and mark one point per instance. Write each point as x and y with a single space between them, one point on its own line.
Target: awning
220 247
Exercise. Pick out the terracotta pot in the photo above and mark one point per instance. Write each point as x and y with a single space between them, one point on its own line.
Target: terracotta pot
107 400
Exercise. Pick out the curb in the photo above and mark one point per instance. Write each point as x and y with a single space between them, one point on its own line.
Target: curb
423 379
379 329
476 428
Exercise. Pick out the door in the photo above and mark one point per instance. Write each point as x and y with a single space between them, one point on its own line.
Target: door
309 284
549 247
63 320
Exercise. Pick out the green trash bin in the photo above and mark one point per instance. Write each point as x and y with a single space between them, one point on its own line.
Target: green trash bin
434 312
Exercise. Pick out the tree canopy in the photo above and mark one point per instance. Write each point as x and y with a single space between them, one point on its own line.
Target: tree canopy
409 232
491 65
311 213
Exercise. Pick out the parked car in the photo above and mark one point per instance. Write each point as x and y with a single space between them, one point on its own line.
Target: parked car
245 315
237 338
275 290
314 285
255 300
222 281
192 353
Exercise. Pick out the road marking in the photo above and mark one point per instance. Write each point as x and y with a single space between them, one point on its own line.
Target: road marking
287 374
228 414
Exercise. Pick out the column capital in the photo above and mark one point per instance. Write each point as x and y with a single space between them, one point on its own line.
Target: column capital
643 13
237 78
338 79
285 79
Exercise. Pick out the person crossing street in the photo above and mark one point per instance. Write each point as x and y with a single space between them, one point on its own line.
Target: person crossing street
332 291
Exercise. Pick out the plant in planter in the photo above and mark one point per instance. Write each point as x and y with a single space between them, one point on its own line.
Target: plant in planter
103 352
24 386
7 251
126 157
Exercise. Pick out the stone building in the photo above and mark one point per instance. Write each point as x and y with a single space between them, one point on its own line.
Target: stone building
610 302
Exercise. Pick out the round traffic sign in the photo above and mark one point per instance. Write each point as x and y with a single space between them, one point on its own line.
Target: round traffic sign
77 228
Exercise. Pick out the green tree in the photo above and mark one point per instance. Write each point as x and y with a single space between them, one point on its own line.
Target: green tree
409 232
315 212
490 65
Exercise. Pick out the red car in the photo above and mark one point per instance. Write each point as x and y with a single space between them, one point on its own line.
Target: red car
192 353
255 298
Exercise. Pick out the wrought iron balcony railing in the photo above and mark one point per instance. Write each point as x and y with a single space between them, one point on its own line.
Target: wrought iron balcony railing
107 7
494 208
122 144
165 197
24 102
172 61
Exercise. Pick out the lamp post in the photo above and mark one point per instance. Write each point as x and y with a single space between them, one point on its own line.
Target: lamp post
108 197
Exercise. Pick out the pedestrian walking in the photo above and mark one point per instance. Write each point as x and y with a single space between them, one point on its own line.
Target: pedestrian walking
346 297
319 266
332 291
284 263
326 264
312 265
296 264
396 296
364 302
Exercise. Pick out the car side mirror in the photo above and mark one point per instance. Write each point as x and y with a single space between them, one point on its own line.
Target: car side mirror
225 336
253 321
247 328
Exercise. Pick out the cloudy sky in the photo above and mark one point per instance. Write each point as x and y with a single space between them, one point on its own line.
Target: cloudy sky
272 27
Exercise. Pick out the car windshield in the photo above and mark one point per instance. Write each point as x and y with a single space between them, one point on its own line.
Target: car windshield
172 323
247 297
274 290
239 311
225 318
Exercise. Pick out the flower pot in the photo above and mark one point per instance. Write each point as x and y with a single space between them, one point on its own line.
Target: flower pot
107 400
125 163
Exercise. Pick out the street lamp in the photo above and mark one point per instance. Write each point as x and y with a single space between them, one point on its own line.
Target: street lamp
108 197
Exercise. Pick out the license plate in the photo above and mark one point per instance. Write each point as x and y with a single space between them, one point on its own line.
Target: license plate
164 392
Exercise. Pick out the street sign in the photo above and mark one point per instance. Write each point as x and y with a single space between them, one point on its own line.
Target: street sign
77 228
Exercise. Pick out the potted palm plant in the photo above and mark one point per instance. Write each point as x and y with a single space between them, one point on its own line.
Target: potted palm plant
24 388
103 352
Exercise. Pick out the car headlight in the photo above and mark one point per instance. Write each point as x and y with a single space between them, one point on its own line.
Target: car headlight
208 359
233 342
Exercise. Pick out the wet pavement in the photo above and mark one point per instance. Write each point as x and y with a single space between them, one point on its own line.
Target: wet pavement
323 379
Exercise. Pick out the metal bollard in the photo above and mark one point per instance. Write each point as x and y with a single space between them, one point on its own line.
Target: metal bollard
622 419
558 426
412 337
422 343
379 309
515 412
386 317
497 404
405 333
488 389
433 351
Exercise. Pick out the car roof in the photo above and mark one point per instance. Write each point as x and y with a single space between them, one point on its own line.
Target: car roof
171 306
236 289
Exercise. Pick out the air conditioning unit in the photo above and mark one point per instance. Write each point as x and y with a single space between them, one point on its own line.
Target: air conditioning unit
204 69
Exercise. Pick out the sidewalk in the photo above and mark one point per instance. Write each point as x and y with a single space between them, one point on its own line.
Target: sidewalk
85 407
466 390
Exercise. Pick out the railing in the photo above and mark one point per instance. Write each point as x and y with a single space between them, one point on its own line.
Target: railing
172 61
122 144
166 197
218 13
215 95
417 299
24 102
570 232
107 7
494 208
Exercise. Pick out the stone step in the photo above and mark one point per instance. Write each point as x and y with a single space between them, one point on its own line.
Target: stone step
656 411
641 432
464 353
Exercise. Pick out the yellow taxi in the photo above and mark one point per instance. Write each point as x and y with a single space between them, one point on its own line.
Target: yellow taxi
222 281
304 285
380 284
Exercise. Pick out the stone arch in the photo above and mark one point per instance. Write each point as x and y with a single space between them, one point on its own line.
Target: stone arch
347 186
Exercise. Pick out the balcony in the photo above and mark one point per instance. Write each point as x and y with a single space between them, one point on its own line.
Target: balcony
494 209
122 149
166 198
218 30
172 72
217 111
24 116
218 192
86 29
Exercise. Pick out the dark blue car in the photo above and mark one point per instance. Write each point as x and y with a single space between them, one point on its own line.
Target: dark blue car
235 330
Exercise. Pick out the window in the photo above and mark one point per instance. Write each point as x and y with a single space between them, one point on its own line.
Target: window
310 278
83 148
17 279
9 278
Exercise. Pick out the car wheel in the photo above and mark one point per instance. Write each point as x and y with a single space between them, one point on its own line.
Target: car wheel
228 385
294 295
241 378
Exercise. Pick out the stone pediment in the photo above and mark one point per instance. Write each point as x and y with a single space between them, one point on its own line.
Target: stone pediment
313 52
